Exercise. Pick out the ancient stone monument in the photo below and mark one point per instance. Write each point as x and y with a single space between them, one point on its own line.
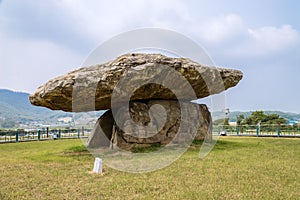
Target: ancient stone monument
118 83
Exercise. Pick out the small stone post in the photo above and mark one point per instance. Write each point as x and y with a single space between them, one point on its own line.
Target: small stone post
98 166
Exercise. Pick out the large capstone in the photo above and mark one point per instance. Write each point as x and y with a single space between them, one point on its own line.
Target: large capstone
177 129
91 88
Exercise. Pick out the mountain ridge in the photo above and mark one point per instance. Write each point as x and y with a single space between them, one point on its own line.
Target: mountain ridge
16 106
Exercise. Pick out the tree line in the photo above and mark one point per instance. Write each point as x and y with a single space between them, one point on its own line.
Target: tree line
256 118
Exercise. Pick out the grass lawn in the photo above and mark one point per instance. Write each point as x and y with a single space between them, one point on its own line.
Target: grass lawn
237 168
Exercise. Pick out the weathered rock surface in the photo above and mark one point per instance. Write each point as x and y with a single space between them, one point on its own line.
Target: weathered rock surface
76 90
107 133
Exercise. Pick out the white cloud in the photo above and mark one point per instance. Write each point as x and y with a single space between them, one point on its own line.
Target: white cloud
76 24
231 36
40 40
270 38
220 29
265 42
228 33
26 64
103 19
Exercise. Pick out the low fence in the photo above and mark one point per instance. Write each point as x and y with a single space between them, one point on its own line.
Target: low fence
259 130
241 130
46 134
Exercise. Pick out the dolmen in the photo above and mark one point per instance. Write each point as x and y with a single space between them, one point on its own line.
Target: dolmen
147 98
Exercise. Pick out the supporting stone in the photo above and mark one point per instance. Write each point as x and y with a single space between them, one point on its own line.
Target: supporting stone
106 132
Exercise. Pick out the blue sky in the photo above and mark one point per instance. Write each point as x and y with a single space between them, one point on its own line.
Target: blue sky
40 40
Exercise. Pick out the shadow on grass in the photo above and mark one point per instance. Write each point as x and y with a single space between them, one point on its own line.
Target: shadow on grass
76 150
224 144
235 145
196 144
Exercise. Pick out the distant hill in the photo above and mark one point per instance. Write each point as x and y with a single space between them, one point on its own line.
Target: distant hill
15 106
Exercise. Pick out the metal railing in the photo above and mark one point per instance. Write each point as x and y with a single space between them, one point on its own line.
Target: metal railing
271 130
44 134
240 130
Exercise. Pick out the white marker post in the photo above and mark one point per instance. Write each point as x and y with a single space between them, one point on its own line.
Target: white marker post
98 166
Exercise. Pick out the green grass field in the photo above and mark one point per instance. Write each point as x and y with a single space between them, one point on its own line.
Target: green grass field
237 168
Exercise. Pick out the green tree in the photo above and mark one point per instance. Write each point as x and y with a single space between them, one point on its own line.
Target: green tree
239 119
260 117
226 121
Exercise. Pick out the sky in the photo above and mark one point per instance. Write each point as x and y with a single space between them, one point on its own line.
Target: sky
40 40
